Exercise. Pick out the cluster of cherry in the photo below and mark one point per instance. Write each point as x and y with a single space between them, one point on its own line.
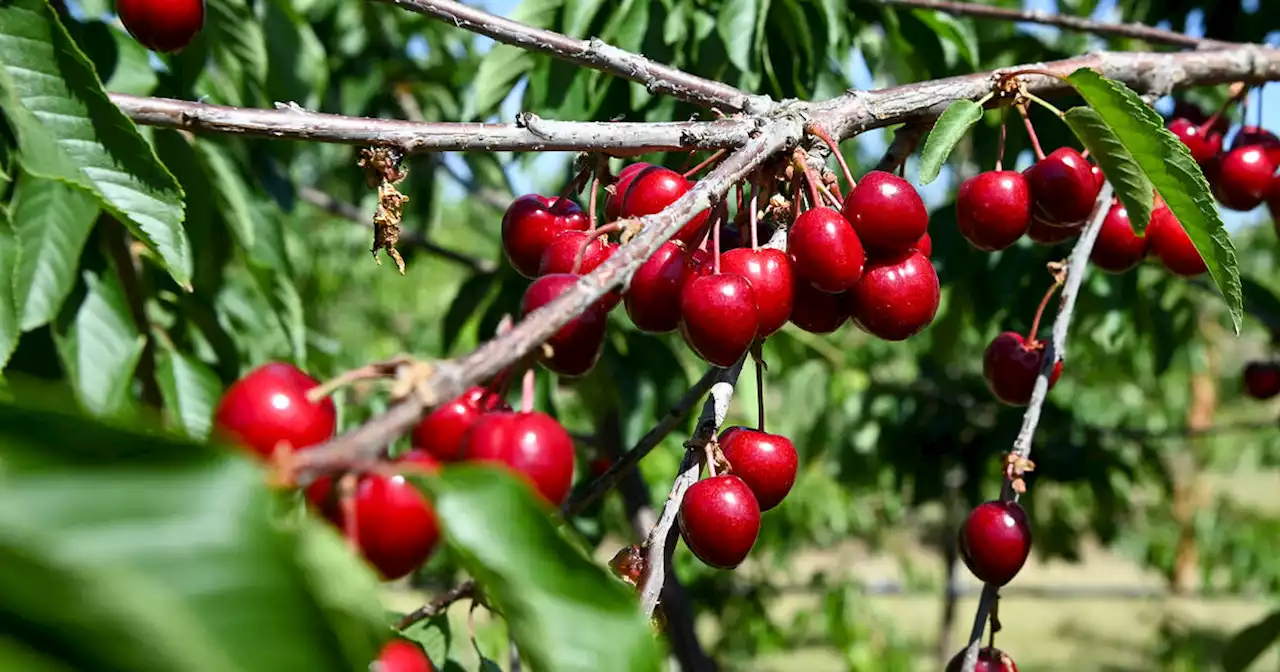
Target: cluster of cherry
1243 174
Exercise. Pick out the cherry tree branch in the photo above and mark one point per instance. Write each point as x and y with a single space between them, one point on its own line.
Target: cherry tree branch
1077 268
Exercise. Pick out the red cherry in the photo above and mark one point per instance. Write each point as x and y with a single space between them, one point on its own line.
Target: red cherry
395 527
653 298
162 25
995 541
886 212
825 250
1243 178
1011 365
1063 187
403 656
990 659
718 319
1262 379
268 408
767 463
531 444
441 432
701 259
1118 248
769 272
897 296
1098 176
1255 136
656 187
925 245
1171 244
561 254
993 210
1203 146
1048 234
720 520
613 205
531 223
577 345
816 311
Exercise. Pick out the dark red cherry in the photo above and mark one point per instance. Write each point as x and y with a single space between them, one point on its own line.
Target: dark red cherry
1203 146
1171 244
561 254
925 246
720 520
656 187
1046 234
1262 379
577 345
897 296
1118 248
531 223
886 212
990 659
653 298
395 527
719 320
1063 187
816 311
401 655
267 410
613 205
162 25
441 432
993 210
1273 202
995 541
825 250
1098 176
767 463
531 444
769 272
1255 136
1243 178
1011 365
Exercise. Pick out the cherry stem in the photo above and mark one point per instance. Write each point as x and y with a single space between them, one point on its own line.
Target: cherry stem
760 392
527 391
799 159
821 134
347 505
1035 323
751 218
835 200
573 186
796 195
1085 153
591 203
1222 109
592 236
1031 131
1004 132
706 163
715 241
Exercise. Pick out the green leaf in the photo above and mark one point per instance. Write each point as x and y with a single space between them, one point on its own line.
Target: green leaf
190 390
565 612
351 602
229 191
1132 187
298 69
578 15
737 26
1175 175
955 121
433 635
10 313
504 65
101 347
956 37
53 221
68 130
239 50
1250 643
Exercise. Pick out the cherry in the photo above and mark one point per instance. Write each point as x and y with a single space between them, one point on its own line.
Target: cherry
990 659
1171 244
925 245
1255 136
825 250
1262 379
720 520
1048 234
562 253
995 541
1118 248
576 347
531 444
1243 178
531 223
653 298
613 205
1098 176
886 212
162 25
993 210
403 656
656 187
442 431
719 319
1063 187
268 409
897 296
1011 365
767 463
816 311
769 272
600 465
1203 145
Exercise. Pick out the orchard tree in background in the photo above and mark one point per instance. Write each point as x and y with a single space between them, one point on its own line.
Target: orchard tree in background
223 426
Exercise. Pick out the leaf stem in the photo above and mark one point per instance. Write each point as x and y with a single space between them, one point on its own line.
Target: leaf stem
1042 103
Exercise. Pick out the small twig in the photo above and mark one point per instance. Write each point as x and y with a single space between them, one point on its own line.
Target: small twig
464 590
905 140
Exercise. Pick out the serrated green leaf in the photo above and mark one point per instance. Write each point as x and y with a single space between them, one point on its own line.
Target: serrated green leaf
1176 176
433 635
68 130
1250 643
737 26
1132 187
951 126
190 390
565 612
101 347
52 221
9 311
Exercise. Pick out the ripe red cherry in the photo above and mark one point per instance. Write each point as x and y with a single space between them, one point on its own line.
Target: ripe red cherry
162 25
897 296
1048 234
767 463
653 298
925 245
531 444
886 212
1243 178
1098 176
577 345
720 520
268 409
656 187
403 656
1063 187
531 223
769 272
1118 248
1171 244
718 317
613 205
441 432
990 659
825 250
1255 136
561 254
995 541
1011 365
816 311
1262 379
1203 146
993 210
